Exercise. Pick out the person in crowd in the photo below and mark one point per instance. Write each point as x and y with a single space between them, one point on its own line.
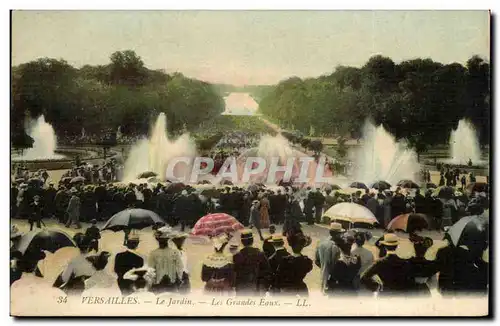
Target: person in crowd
49 201
372 203
251 268
94 234
179 239
167 263
319 202
345 270
264 212
365 255
309 206
293 268
127 260
255 218
421 269
267 245
37 212
72 279
275 260
101 279
73 210
328 252
390 283
217 269
141 281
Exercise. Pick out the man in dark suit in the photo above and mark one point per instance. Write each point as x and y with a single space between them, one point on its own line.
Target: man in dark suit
251 268
392 271
125 261
275 260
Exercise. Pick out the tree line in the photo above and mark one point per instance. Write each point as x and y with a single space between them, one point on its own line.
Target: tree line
101 98
420 100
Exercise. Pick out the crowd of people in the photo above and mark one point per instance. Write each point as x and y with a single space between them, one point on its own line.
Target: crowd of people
91 194
346 266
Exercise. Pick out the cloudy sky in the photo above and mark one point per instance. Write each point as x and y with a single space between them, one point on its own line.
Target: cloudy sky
249 47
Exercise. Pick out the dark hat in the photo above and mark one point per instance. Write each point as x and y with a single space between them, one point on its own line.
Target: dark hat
246 234
93 221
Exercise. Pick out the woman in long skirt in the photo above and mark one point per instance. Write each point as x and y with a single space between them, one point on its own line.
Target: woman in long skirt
264 213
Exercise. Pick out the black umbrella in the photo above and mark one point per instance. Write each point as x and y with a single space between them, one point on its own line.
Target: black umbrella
204 182
429 185
469 231
35 181
46 240
147 174
132 218
381 185
77 179
408 184
358 185
446 192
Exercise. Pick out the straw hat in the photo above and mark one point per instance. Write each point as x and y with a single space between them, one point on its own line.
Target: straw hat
164 232
390 239
178 235
337 227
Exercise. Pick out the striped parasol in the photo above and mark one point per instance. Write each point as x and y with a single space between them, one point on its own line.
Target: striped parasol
215 224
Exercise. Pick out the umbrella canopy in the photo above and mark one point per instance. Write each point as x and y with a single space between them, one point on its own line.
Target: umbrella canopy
351 212
216 224
381 185
35 181
19 180
332 187
358 185
469 231
153 180
444 192
132 218
409 222
204 182
430 185
226 183
147 174
77 179
477 186
46 240
66 179
408 184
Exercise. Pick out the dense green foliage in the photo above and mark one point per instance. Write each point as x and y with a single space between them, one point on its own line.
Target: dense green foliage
420 100
98 98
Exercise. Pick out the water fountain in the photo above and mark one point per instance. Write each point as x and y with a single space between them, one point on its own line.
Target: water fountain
154 154
464 145
44 145
381 157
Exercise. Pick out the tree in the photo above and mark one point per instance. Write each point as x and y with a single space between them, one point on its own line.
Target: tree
127 68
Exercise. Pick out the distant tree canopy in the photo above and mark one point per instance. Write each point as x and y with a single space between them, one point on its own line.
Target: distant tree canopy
420 100
123 93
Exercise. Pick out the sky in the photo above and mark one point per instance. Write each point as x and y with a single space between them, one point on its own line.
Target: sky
249 47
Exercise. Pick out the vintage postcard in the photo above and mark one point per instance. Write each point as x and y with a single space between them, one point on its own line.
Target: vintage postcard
250 163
